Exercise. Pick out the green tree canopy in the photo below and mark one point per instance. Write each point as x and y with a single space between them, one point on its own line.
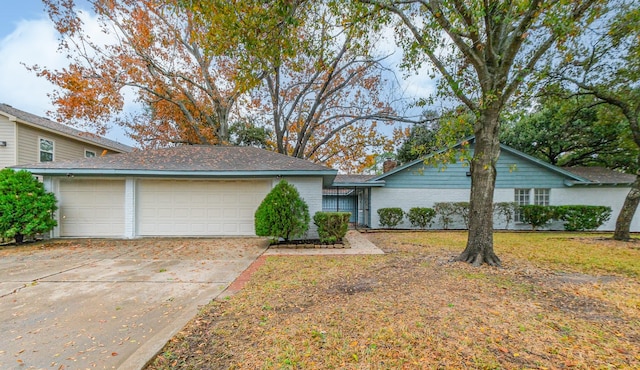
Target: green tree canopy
605 64
572 130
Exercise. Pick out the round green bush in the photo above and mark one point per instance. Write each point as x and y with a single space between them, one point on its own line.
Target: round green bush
26 209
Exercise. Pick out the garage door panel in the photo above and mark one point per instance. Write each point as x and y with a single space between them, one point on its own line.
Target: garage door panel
91 208
199 207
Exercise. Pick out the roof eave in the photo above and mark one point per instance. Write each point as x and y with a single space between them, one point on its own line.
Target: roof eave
172 173
79 138
598 184
365 184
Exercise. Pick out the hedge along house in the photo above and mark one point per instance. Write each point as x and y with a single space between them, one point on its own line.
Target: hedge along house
180 191
520 178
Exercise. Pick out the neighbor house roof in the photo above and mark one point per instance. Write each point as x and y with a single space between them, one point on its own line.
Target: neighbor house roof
582 176
354 181
45 124
574 178
186 160
346 179
602 175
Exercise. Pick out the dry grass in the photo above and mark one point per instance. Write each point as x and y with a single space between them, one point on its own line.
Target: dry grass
561 301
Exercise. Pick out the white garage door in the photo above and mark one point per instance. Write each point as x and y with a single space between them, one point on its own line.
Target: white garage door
198 208
91 208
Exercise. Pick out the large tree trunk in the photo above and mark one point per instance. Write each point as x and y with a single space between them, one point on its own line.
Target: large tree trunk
623 223
479 248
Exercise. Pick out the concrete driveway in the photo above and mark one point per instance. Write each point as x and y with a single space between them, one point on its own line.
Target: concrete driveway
76 304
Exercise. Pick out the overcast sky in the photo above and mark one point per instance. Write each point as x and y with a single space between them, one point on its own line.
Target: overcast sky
27 37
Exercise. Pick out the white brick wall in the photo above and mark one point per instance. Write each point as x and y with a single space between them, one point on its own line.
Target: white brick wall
596 196
408 198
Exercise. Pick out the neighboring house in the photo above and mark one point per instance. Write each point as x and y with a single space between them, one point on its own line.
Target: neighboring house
27 138
520 178
181 191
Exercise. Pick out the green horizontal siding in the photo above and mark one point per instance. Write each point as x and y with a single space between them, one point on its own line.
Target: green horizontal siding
513 172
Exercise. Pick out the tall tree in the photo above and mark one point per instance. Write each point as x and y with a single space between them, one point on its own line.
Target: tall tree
571 130
483 51
188 83
325 101
606 65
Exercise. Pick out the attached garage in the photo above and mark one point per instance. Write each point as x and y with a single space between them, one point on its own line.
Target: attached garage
91 207
198 207
191 190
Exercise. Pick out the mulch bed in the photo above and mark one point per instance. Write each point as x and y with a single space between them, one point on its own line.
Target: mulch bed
308 244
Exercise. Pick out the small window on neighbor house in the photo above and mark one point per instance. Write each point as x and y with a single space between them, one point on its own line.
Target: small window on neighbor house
89 154
541 197
521 197
46 150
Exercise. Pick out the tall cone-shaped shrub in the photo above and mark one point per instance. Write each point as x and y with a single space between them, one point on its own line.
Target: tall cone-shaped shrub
282 213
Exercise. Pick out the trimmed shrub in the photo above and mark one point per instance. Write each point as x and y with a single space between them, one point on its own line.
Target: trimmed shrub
390 217
445 212
26 209
332 226
282 213
537 216
421 217
461 209
579 218
507 210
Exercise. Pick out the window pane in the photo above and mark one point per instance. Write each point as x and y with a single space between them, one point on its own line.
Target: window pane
46 150
46 145
541 197
521 197
89 154
46 157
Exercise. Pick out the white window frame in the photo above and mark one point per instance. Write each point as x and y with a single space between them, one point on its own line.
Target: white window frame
521 197
40 151
95 154
534 196
541 196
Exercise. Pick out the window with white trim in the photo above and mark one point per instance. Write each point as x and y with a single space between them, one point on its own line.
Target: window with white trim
524 197
46 150
89 153
541 197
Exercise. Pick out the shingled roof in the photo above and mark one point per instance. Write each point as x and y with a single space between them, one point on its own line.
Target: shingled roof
185 159
602 175
49 125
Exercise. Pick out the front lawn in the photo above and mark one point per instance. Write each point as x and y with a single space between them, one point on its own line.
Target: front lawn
560 301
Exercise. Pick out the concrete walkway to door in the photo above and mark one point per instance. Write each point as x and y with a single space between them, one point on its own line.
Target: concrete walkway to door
76 304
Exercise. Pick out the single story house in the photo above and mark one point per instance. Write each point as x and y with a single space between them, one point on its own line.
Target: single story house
215 190
27 138
179 191
520 178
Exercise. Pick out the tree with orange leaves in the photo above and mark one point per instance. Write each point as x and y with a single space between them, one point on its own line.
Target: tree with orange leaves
325 102
187 83
195 65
